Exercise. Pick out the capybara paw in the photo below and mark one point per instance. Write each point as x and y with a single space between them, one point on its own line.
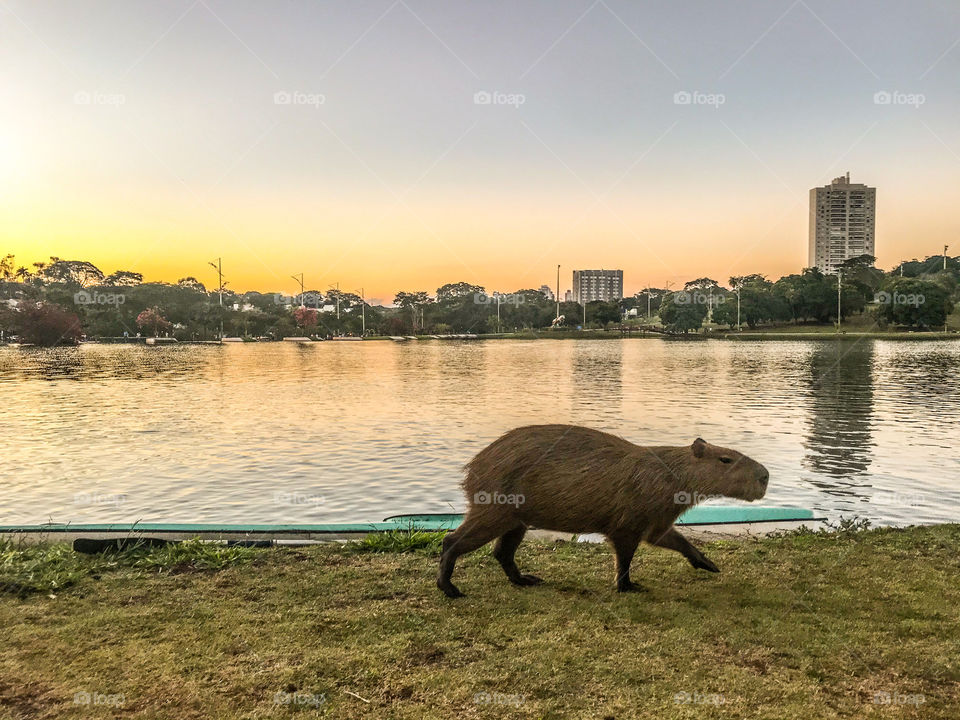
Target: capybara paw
450 590
528 580
703 563
630 586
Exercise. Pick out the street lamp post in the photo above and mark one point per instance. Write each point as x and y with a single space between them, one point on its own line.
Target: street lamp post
839 286
299 280
558 293
218 266
739 329
336 288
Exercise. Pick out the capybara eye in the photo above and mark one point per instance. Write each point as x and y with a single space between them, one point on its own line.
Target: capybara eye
726 460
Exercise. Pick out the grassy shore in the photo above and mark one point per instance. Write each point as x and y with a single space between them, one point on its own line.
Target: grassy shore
801 626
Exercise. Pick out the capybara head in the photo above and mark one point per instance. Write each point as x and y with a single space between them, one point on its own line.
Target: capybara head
722 471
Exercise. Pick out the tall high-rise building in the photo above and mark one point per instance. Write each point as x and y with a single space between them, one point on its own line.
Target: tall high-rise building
547 292
842 223
590 285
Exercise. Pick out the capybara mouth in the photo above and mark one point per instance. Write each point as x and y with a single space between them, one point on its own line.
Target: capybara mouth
762 484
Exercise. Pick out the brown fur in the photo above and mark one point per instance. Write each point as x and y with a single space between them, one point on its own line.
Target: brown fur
574 479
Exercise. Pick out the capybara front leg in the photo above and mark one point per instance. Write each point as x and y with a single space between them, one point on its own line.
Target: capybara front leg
505 550
624 547
673 540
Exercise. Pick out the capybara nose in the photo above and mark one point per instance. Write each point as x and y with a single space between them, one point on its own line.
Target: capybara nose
764 477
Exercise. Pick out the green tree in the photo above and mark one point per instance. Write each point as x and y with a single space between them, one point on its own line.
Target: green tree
72 272
452 291
680 314
123 278
914 303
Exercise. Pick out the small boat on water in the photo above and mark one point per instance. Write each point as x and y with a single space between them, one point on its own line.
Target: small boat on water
161 341
707 520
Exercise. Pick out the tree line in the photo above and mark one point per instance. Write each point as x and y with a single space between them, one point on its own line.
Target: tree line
915 294
67 300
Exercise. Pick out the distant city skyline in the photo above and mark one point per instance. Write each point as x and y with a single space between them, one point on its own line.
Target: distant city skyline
402 145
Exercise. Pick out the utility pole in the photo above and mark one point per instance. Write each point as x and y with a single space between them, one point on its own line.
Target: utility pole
497 295
299 280
558 294
336 288
363 313
945 256
738 310
219 268
839 285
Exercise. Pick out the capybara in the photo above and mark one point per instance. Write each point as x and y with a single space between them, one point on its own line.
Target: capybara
577 480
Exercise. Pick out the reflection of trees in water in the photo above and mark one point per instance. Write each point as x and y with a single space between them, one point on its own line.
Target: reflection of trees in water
597 375
121 361
841 408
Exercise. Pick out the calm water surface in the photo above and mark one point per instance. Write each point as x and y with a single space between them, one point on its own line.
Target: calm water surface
338 432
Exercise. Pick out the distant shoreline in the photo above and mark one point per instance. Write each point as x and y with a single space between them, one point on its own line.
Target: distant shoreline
753 336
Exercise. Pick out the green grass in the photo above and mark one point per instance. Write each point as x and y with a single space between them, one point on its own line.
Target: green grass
27 569
806 625
399 541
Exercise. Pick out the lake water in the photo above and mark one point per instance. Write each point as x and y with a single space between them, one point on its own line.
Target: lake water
339 432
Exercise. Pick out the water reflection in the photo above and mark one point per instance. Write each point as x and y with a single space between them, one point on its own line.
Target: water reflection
213 433
839 442
596 376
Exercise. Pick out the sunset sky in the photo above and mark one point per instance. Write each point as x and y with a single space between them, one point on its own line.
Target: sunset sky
157 136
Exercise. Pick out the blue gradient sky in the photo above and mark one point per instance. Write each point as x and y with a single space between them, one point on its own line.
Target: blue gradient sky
398 180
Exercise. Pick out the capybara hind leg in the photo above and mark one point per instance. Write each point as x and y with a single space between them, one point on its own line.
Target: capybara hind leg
505 550
624 547
467 538
673 540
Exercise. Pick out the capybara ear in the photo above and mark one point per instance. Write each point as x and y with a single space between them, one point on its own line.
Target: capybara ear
699 445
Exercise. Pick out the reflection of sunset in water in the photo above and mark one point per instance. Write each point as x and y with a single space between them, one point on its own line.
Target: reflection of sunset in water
362 430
